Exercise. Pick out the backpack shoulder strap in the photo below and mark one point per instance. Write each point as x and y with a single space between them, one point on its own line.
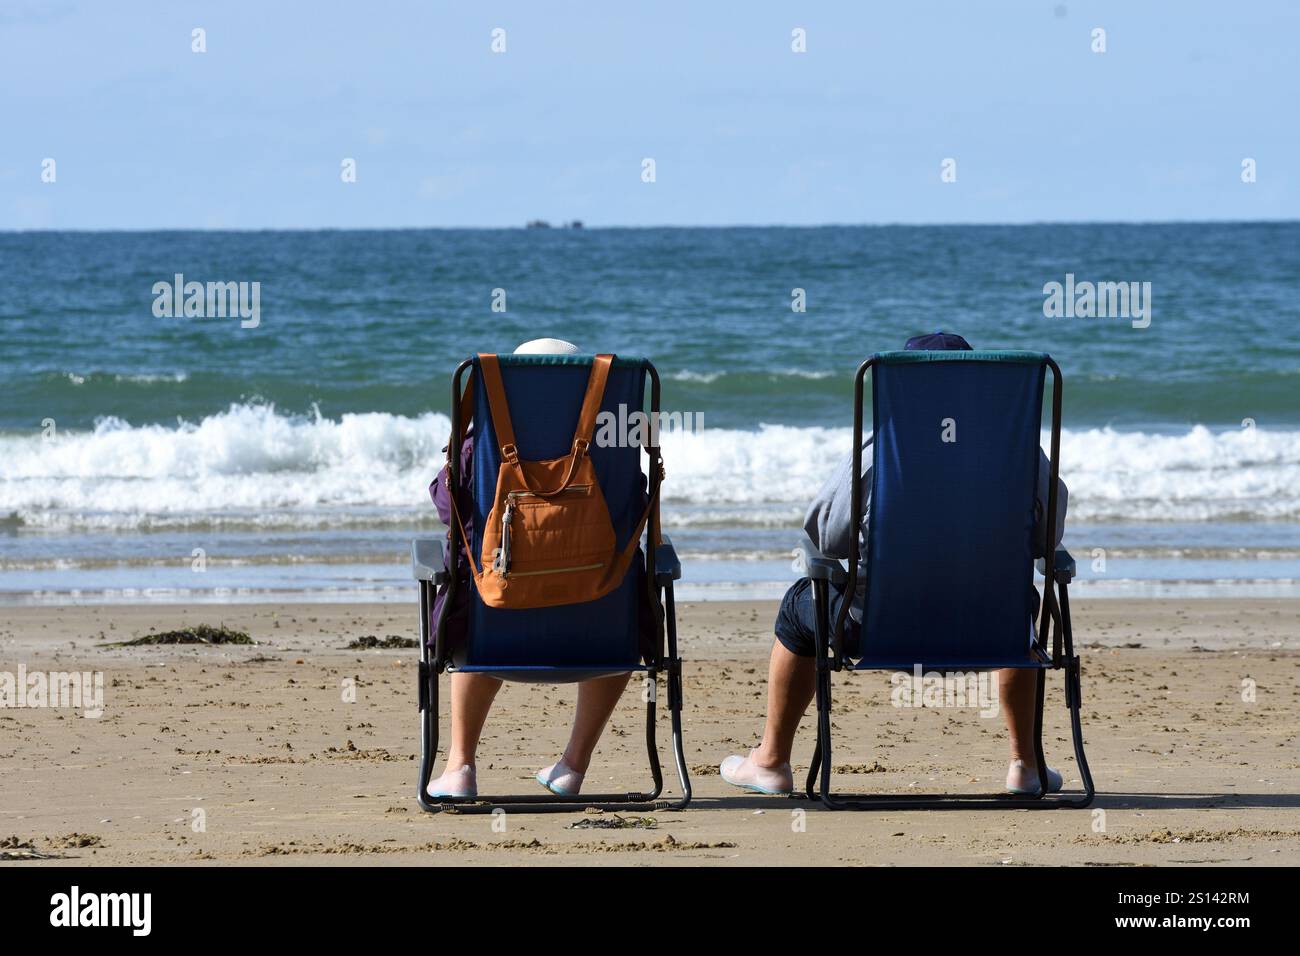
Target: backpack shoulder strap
497 404
466 416
591 403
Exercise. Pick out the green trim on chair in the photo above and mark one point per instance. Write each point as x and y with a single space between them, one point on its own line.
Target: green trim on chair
1014 356
566 359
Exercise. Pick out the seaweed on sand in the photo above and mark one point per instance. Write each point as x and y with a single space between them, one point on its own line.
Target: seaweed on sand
200 634
391 642
615 822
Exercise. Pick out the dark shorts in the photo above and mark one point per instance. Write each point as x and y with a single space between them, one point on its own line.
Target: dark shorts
796 621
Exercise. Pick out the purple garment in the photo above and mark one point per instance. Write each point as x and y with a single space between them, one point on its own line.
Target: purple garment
457 617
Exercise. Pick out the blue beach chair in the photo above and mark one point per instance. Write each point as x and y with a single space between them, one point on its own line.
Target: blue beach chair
565 643
949 569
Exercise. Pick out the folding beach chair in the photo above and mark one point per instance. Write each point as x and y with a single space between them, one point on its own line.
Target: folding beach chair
567 642
949 569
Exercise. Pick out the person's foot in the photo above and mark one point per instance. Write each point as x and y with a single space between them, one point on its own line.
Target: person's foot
744 773
1022 778
561 779
461 782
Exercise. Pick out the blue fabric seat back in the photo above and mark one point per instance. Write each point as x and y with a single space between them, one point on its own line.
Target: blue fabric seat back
545 394
956 457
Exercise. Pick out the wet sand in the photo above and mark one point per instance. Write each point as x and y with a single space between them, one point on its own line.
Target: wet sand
251 754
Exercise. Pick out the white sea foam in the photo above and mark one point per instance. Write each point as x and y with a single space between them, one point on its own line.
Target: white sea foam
253 464
708 378
79 378
150 379
686 375
1195 475
249 460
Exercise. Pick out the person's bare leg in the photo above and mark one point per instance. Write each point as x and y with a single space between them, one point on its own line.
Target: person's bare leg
1018 690
791 683
471 699
597 699
1017 687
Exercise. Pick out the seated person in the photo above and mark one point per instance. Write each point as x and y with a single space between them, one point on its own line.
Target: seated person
472 693
791 677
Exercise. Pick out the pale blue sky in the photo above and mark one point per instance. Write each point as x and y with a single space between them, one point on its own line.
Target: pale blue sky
250 134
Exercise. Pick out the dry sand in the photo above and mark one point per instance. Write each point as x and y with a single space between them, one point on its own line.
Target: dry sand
260 740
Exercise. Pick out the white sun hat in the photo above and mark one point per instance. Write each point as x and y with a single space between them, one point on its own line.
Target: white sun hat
547 347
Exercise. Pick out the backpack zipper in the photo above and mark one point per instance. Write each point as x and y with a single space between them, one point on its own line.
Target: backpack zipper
529 574
513 496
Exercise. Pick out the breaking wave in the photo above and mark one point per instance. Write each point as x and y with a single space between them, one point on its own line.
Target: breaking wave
253 464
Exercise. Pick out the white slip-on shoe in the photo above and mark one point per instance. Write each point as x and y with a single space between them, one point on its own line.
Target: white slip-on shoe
741 772
461 783
1022 780
560 779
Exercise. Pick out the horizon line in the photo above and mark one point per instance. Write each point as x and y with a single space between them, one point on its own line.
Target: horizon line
565 227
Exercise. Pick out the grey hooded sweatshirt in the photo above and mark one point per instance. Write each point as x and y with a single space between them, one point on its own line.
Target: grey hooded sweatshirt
828 521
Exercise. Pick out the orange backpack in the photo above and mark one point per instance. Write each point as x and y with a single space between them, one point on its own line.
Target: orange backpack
548 539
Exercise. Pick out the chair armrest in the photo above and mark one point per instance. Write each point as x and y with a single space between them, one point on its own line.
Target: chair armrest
426 560
1063 567
811 563
667 567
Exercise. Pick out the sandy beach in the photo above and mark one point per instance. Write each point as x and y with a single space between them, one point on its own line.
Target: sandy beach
250 754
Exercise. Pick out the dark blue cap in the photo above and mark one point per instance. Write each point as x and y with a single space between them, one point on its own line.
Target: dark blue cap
939 342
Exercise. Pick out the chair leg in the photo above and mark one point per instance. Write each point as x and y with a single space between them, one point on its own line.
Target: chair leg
675 715
1073 693
674 679
428 703
821 643
1074 697
1040 758
824 734
810 785
428 737
651 744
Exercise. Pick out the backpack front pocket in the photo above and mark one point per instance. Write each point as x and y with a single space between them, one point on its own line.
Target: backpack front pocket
563 533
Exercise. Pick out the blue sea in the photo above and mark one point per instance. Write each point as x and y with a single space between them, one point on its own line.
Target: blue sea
148 456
